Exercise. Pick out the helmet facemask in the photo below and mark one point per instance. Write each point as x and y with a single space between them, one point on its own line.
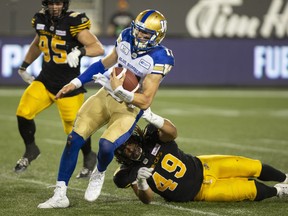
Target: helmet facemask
131 151
143 44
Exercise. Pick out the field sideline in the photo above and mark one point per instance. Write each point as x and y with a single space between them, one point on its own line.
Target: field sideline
247 122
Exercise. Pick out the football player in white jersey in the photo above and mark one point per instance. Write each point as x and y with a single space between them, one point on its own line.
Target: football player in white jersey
137 49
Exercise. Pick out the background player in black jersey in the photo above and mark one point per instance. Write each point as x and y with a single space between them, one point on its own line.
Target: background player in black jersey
120 19
63 37
151 161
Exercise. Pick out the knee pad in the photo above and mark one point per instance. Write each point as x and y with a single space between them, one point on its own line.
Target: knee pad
74 140
106 146
105 154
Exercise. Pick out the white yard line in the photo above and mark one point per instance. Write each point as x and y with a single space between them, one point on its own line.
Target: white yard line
169 206
180 208
53 141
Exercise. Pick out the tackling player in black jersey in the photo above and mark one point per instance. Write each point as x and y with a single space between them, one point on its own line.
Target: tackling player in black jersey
152 161
63 37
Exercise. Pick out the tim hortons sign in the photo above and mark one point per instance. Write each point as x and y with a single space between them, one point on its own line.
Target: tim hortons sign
222 18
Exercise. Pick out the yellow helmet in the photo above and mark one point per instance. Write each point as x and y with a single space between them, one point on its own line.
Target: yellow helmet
152 22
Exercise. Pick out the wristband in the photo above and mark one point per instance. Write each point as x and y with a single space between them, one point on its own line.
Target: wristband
142 184
124 94
156 120
24 65
76 82
82 51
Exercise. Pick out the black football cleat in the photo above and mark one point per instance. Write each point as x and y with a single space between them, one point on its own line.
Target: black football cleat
31 153
89 165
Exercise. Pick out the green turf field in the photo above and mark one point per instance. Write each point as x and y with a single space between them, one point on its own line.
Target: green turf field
252 123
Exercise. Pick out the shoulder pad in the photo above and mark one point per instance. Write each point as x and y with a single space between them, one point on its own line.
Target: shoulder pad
162 55
38 17
74 14
125 35
77 18
78 22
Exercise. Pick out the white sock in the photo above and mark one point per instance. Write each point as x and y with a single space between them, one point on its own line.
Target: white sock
278 190
62 189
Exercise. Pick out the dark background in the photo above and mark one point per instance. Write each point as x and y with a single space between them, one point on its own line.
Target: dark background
214 60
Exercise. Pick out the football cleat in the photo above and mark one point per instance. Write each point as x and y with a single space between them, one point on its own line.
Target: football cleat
21 165
59 199
84 173
89 165
282 190
32 152
95 185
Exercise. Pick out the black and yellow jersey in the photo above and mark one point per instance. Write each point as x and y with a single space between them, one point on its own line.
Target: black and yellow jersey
56 40
176 176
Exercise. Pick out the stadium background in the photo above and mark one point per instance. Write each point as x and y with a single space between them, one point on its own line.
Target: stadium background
215 43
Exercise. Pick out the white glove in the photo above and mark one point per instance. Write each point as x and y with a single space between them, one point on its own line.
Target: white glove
26 76
73 57
152 118
144 173
103 80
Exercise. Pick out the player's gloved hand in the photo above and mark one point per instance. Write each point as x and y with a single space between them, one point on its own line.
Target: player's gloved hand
143 174
25 75
103 80
73 57
152 118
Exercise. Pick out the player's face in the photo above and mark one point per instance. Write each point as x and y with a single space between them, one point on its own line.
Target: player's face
142 36
133 151
55 9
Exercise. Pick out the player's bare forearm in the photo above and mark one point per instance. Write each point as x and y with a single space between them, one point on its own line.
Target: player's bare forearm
144 99
144 196
65 90
168 131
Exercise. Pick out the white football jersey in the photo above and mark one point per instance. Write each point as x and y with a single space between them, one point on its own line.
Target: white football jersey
157 60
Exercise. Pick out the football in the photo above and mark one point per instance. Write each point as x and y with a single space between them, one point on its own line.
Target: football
131 82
